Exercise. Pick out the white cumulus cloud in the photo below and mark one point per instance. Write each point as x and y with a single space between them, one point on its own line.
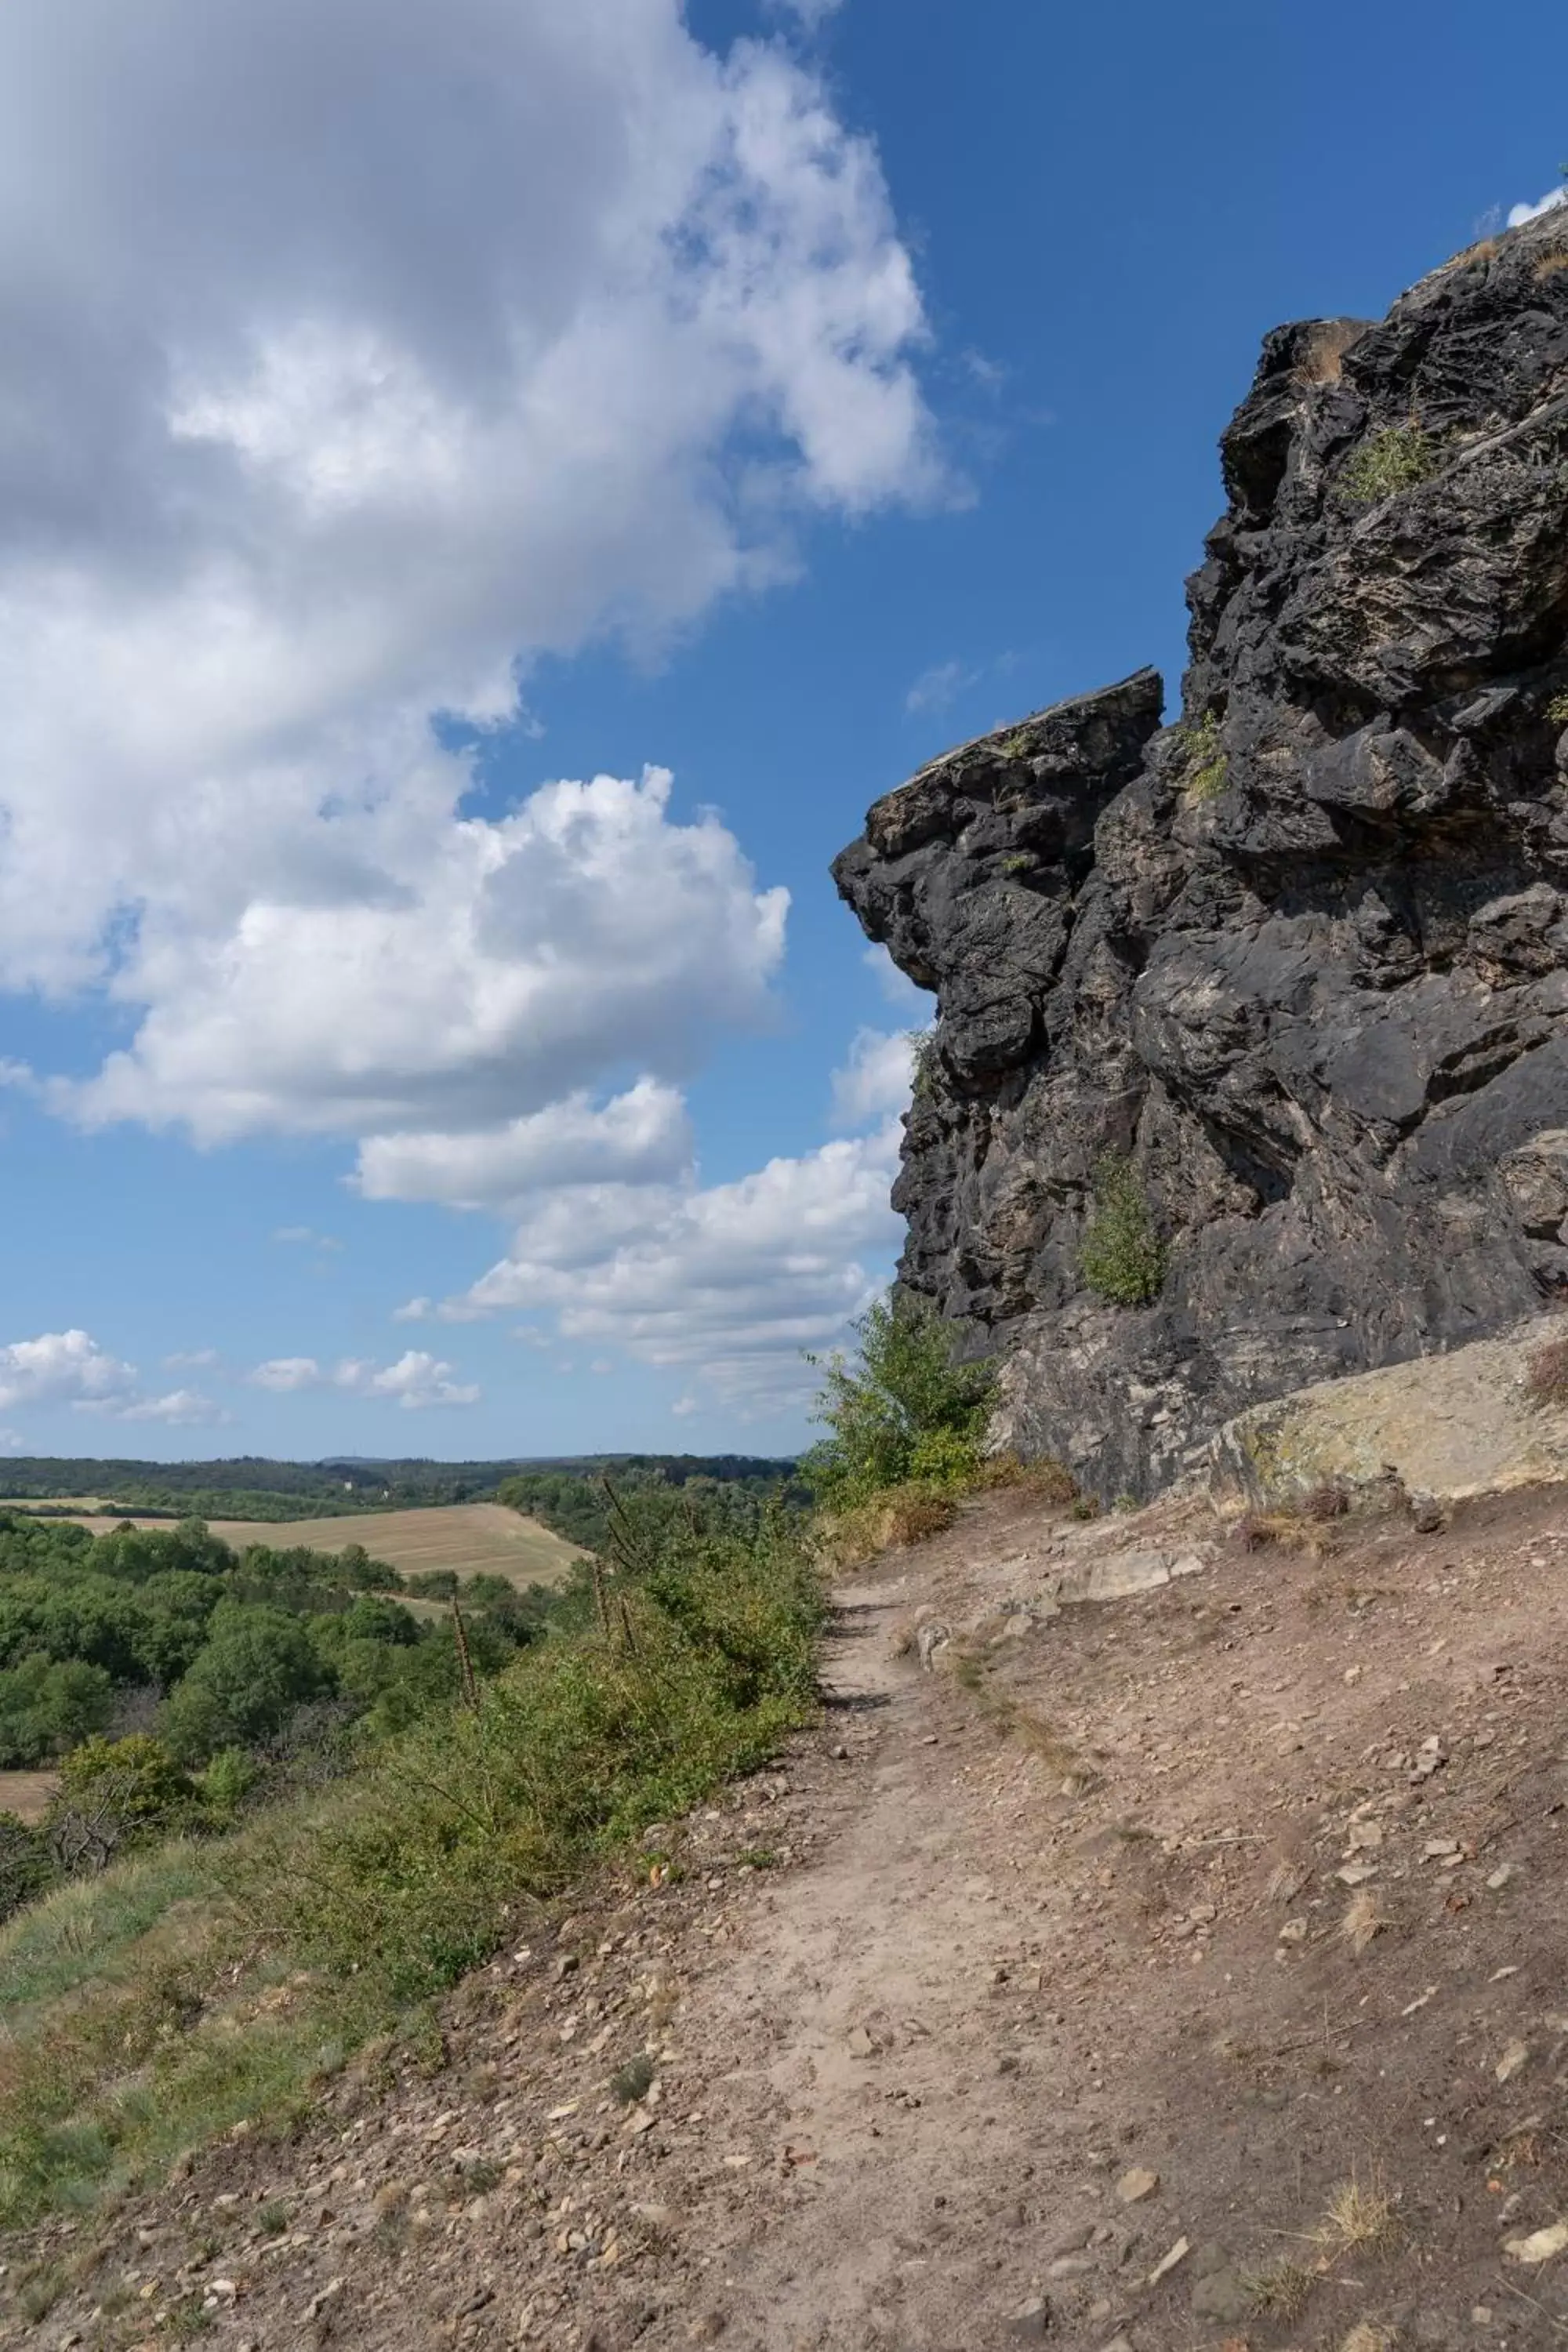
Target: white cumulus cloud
352 359
643 1136
62 1367
283 1374
182 1408
1520 214
70 1368
415 1381
730 1282
875 1080
584 932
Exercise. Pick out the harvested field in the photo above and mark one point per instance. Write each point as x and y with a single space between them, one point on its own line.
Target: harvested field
473 1539
28 1794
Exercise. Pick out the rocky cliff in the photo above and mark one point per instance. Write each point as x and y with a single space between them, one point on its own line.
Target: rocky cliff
1282 988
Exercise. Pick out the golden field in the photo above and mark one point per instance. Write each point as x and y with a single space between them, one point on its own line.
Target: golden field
473 1539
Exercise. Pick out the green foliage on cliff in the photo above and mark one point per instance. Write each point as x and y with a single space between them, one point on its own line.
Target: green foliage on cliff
1123 1259
1396 459
901 1408
1206 765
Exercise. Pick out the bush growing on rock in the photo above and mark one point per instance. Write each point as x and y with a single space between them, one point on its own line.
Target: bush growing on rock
1392 460
1205 769
902 1410
1122 1258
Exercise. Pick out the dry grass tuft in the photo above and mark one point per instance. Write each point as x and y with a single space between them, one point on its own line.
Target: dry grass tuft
1045 1481
904 1514
1359 2218
1282 1531
1281 2291
1550 264
1323 360
1363 1921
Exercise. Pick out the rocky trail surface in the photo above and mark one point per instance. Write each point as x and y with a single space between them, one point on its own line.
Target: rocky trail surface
1181 1968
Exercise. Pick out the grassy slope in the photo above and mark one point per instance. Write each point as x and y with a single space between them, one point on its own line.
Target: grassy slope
191 1987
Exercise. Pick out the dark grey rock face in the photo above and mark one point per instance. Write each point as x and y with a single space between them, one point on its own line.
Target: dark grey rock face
1318 991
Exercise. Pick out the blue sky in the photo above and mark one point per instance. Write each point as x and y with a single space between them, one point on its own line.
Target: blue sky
411 409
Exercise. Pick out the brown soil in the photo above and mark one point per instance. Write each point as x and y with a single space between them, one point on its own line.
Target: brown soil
1006 1934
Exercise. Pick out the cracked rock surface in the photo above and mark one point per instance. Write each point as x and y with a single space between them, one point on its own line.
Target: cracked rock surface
1301 956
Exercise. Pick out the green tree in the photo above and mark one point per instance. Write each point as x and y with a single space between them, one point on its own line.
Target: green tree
902 1408
47 1705
134 1780
258 1665
372 1618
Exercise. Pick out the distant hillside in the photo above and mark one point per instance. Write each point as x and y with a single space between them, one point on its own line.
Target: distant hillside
252 1486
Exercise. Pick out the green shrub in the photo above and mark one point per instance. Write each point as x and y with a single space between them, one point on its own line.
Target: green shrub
1386 463
129 1790
432 1584
902 1393
1557 709
1122 1258
409 1878
227 1782
633 2080
946 1460
886 1521
1206 763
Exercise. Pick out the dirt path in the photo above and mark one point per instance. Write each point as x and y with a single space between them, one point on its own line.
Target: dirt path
1190 1970
869 1994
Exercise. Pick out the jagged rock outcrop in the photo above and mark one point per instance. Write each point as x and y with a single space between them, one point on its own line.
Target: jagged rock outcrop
1303 960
